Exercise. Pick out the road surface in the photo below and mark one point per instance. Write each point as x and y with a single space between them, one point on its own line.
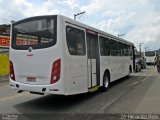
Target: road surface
127 97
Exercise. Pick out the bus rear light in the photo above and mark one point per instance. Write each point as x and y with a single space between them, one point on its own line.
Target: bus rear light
12 75
56 71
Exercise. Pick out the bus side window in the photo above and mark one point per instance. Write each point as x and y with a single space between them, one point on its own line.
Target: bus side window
120 49
81 49
130 51
104 46
70 40
113 47
126 52
75 41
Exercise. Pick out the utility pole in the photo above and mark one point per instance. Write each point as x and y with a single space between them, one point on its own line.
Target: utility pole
75 15
140 44
12 21
146 49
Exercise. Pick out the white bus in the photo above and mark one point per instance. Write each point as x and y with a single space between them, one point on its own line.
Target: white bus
150 57
57 55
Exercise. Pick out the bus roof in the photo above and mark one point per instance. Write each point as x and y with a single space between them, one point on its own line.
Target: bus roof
94 29
79 24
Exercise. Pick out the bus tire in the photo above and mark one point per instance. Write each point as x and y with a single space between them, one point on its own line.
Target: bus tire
130 69
106 82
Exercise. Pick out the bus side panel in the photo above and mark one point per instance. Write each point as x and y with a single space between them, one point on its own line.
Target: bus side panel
65 68
117 66
78 75
75 68
108 63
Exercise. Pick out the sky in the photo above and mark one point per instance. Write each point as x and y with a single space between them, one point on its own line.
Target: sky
139 20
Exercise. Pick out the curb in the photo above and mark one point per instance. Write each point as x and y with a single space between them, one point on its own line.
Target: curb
4 78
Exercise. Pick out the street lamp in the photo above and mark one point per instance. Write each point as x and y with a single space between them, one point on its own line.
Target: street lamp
121 35
75 15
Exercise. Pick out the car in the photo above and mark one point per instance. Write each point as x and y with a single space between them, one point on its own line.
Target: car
137 65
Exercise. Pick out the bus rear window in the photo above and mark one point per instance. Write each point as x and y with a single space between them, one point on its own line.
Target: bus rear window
36 33
150 53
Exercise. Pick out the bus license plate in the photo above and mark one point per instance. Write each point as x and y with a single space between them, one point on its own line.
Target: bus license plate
31 79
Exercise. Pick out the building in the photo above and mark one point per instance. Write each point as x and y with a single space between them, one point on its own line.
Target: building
4 49
5 29
4 37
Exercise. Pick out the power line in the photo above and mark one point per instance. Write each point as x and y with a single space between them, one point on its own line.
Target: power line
10 12
5 15
59 5
5 19
67 8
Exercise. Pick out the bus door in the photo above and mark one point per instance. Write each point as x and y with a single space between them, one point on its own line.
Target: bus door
93 59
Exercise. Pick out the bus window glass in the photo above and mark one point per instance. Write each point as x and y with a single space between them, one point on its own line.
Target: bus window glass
75 41
104 46
120 49
113 47
150 53
91 46
130 50
126 50
34 33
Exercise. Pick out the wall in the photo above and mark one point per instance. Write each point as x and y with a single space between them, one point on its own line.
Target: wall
4 64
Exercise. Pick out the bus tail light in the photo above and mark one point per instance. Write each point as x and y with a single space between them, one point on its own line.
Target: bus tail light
12 75
56 71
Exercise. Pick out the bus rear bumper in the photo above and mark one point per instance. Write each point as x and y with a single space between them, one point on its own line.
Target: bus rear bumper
41 89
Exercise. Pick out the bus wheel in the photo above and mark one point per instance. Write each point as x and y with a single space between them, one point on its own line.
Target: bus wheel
106 82
130 69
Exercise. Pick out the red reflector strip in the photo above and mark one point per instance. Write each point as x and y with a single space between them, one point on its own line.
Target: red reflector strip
56 70
12 75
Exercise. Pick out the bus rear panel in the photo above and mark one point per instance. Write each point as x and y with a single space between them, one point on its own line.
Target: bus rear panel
35 56
150 57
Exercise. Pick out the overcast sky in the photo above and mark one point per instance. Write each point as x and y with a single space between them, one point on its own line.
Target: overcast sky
139 20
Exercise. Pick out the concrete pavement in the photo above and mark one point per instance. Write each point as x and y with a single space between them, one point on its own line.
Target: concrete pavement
143 99
137 94
151 100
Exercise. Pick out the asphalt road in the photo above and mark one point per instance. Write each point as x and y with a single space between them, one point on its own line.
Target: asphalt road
127 96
